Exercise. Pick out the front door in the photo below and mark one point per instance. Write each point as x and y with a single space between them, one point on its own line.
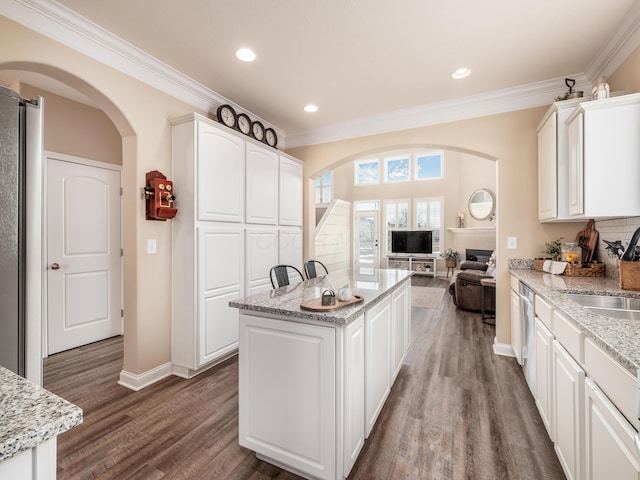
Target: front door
367 257
83 252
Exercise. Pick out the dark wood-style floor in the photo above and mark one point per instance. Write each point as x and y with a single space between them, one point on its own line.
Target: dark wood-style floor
456 411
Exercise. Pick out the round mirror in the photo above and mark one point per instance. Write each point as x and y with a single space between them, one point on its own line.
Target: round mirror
482 204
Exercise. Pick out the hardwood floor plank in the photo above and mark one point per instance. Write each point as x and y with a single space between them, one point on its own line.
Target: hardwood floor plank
456 411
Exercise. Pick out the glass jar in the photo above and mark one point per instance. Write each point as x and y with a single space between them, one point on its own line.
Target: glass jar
571 252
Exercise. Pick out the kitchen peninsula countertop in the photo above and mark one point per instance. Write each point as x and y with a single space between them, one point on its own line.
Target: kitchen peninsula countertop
286 301
30 415
619 337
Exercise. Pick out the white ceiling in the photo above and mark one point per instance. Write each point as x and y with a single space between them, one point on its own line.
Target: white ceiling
358 59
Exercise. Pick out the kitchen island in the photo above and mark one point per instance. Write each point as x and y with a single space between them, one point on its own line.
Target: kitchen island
30 420
312 384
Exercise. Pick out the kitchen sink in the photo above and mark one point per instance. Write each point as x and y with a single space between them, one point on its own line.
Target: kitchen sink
609 305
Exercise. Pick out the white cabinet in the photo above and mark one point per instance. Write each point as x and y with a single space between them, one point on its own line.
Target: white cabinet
290 204
544 376
609 439
287 376
290 247
378 360
568 412
401 318
516 326
262 185
354 393
421 265
225 238
261 255
604 148
219 171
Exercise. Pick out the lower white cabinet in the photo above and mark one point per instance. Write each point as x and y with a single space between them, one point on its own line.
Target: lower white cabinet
568 411
516 326
378 374
288 399
261 255
401 322
354 393
205 296
544 375
609 439
290 247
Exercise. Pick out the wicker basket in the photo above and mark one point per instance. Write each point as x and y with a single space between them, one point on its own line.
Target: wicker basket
593 269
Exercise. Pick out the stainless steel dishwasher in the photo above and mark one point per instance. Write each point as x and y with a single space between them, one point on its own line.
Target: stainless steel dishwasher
528 325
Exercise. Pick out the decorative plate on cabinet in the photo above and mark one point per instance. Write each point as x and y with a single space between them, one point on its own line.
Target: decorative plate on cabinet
227 116
244 123
271 137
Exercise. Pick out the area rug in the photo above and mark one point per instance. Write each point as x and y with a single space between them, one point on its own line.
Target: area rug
427 297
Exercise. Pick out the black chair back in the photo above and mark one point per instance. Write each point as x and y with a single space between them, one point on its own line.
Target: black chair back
311 268
279 275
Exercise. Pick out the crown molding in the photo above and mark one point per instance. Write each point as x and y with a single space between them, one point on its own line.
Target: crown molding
499 101
59 23
63 25
624 41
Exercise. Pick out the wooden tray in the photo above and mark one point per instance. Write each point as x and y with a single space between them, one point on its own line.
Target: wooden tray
315 305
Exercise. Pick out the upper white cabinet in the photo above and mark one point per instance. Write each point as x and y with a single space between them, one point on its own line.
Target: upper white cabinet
553 161
262 185
290 206
604 147
220 173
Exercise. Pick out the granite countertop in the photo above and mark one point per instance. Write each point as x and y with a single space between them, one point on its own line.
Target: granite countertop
30 415
619 337
285 301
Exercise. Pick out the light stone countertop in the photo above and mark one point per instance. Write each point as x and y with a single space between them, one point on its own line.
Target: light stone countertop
619 337
373 286
30 415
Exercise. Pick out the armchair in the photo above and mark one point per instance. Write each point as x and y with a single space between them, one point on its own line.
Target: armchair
466 289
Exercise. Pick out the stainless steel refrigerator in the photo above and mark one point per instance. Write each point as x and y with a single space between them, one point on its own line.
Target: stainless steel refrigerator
20 247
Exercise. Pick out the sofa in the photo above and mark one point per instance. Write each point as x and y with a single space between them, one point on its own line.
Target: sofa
466 289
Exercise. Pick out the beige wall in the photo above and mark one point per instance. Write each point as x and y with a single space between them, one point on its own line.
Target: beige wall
76 129
140 114
511 140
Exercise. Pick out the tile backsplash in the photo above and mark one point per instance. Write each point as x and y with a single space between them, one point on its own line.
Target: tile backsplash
615 229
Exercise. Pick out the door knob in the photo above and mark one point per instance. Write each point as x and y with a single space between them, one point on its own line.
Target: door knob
55 266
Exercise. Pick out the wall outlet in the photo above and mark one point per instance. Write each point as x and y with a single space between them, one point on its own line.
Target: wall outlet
512 243
151 246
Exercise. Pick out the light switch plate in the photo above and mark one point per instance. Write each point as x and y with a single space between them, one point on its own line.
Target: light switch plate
151 246
512 243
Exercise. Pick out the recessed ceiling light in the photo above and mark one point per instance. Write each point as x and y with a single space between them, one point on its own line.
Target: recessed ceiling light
461 73
310 108
246 55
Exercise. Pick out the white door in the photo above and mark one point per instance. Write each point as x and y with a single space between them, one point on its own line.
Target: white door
83 254
367 241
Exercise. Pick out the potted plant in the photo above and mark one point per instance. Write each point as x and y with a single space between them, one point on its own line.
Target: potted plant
553 248
451 257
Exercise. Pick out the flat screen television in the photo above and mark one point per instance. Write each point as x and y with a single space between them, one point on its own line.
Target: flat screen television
419 241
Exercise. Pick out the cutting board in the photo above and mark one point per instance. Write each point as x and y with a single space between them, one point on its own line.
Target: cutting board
588 240
315 305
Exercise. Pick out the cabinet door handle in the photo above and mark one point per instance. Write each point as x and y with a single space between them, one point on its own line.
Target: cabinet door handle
55 266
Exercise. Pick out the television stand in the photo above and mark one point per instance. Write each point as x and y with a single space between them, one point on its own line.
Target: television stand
420 264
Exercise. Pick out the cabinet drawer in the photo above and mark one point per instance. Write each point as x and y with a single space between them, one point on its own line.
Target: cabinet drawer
570 336
515 283
544 312
613 379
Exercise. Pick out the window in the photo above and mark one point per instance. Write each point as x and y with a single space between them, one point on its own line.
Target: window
428 216
428 166
367 206
367 172
396 169
397 217
324 188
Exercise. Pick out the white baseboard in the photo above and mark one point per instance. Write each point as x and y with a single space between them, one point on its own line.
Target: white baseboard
504 349
185 372
138 382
